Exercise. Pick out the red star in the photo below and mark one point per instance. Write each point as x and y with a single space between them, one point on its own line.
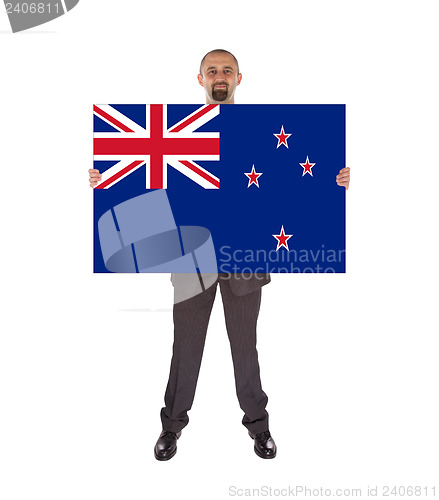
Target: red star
282 239
307 167
253 177
282 137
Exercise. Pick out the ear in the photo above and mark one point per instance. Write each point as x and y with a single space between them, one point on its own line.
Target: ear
239 79
200 80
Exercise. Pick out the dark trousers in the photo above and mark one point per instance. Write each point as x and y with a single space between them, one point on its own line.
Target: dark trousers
191 318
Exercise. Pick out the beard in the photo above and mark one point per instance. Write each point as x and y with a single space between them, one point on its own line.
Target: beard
220 94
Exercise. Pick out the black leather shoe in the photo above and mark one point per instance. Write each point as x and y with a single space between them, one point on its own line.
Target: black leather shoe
265 447
166 446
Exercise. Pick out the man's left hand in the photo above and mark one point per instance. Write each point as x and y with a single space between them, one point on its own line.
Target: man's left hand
344 177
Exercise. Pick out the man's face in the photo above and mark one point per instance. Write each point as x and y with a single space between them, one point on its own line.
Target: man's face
219 78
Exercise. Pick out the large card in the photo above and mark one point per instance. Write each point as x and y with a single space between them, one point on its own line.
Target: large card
219 188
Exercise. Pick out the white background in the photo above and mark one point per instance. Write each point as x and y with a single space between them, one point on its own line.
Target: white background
349 362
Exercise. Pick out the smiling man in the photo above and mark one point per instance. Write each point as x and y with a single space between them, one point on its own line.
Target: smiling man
219 75
241 296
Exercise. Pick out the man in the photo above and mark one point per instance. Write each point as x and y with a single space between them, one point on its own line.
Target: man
219 76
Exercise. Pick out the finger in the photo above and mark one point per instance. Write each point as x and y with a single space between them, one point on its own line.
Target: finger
93 170
346 169
95 177
343 176
345 184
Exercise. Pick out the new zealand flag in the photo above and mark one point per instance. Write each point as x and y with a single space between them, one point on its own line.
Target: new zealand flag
219 188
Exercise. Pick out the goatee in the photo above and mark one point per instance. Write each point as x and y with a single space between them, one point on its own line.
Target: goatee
220 94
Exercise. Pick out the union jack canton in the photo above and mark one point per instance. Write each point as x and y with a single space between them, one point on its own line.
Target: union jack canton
156 145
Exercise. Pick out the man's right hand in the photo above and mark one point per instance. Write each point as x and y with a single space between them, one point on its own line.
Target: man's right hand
95 177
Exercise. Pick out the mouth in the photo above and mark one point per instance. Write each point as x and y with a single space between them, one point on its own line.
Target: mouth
220 87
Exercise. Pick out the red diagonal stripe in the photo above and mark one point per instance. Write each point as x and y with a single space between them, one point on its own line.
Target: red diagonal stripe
200 172
190 120
112 120
114 177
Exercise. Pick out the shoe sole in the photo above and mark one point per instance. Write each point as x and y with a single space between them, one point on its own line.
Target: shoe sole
163 459
261 455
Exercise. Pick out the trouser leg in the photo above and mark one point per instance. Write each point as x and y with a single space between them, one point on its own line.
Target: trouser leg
241 313
191 318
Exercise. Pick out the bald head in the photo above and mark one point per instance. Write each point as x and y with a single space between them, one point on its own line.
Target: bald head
219 52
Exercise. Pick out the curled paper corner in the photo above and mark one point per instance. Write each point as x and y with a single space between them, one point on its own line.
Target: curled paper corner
25 15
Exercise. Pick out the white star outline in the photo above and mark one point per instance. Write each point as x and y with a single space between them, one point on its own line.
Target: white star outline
282 132
253 172
303 165
279 244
